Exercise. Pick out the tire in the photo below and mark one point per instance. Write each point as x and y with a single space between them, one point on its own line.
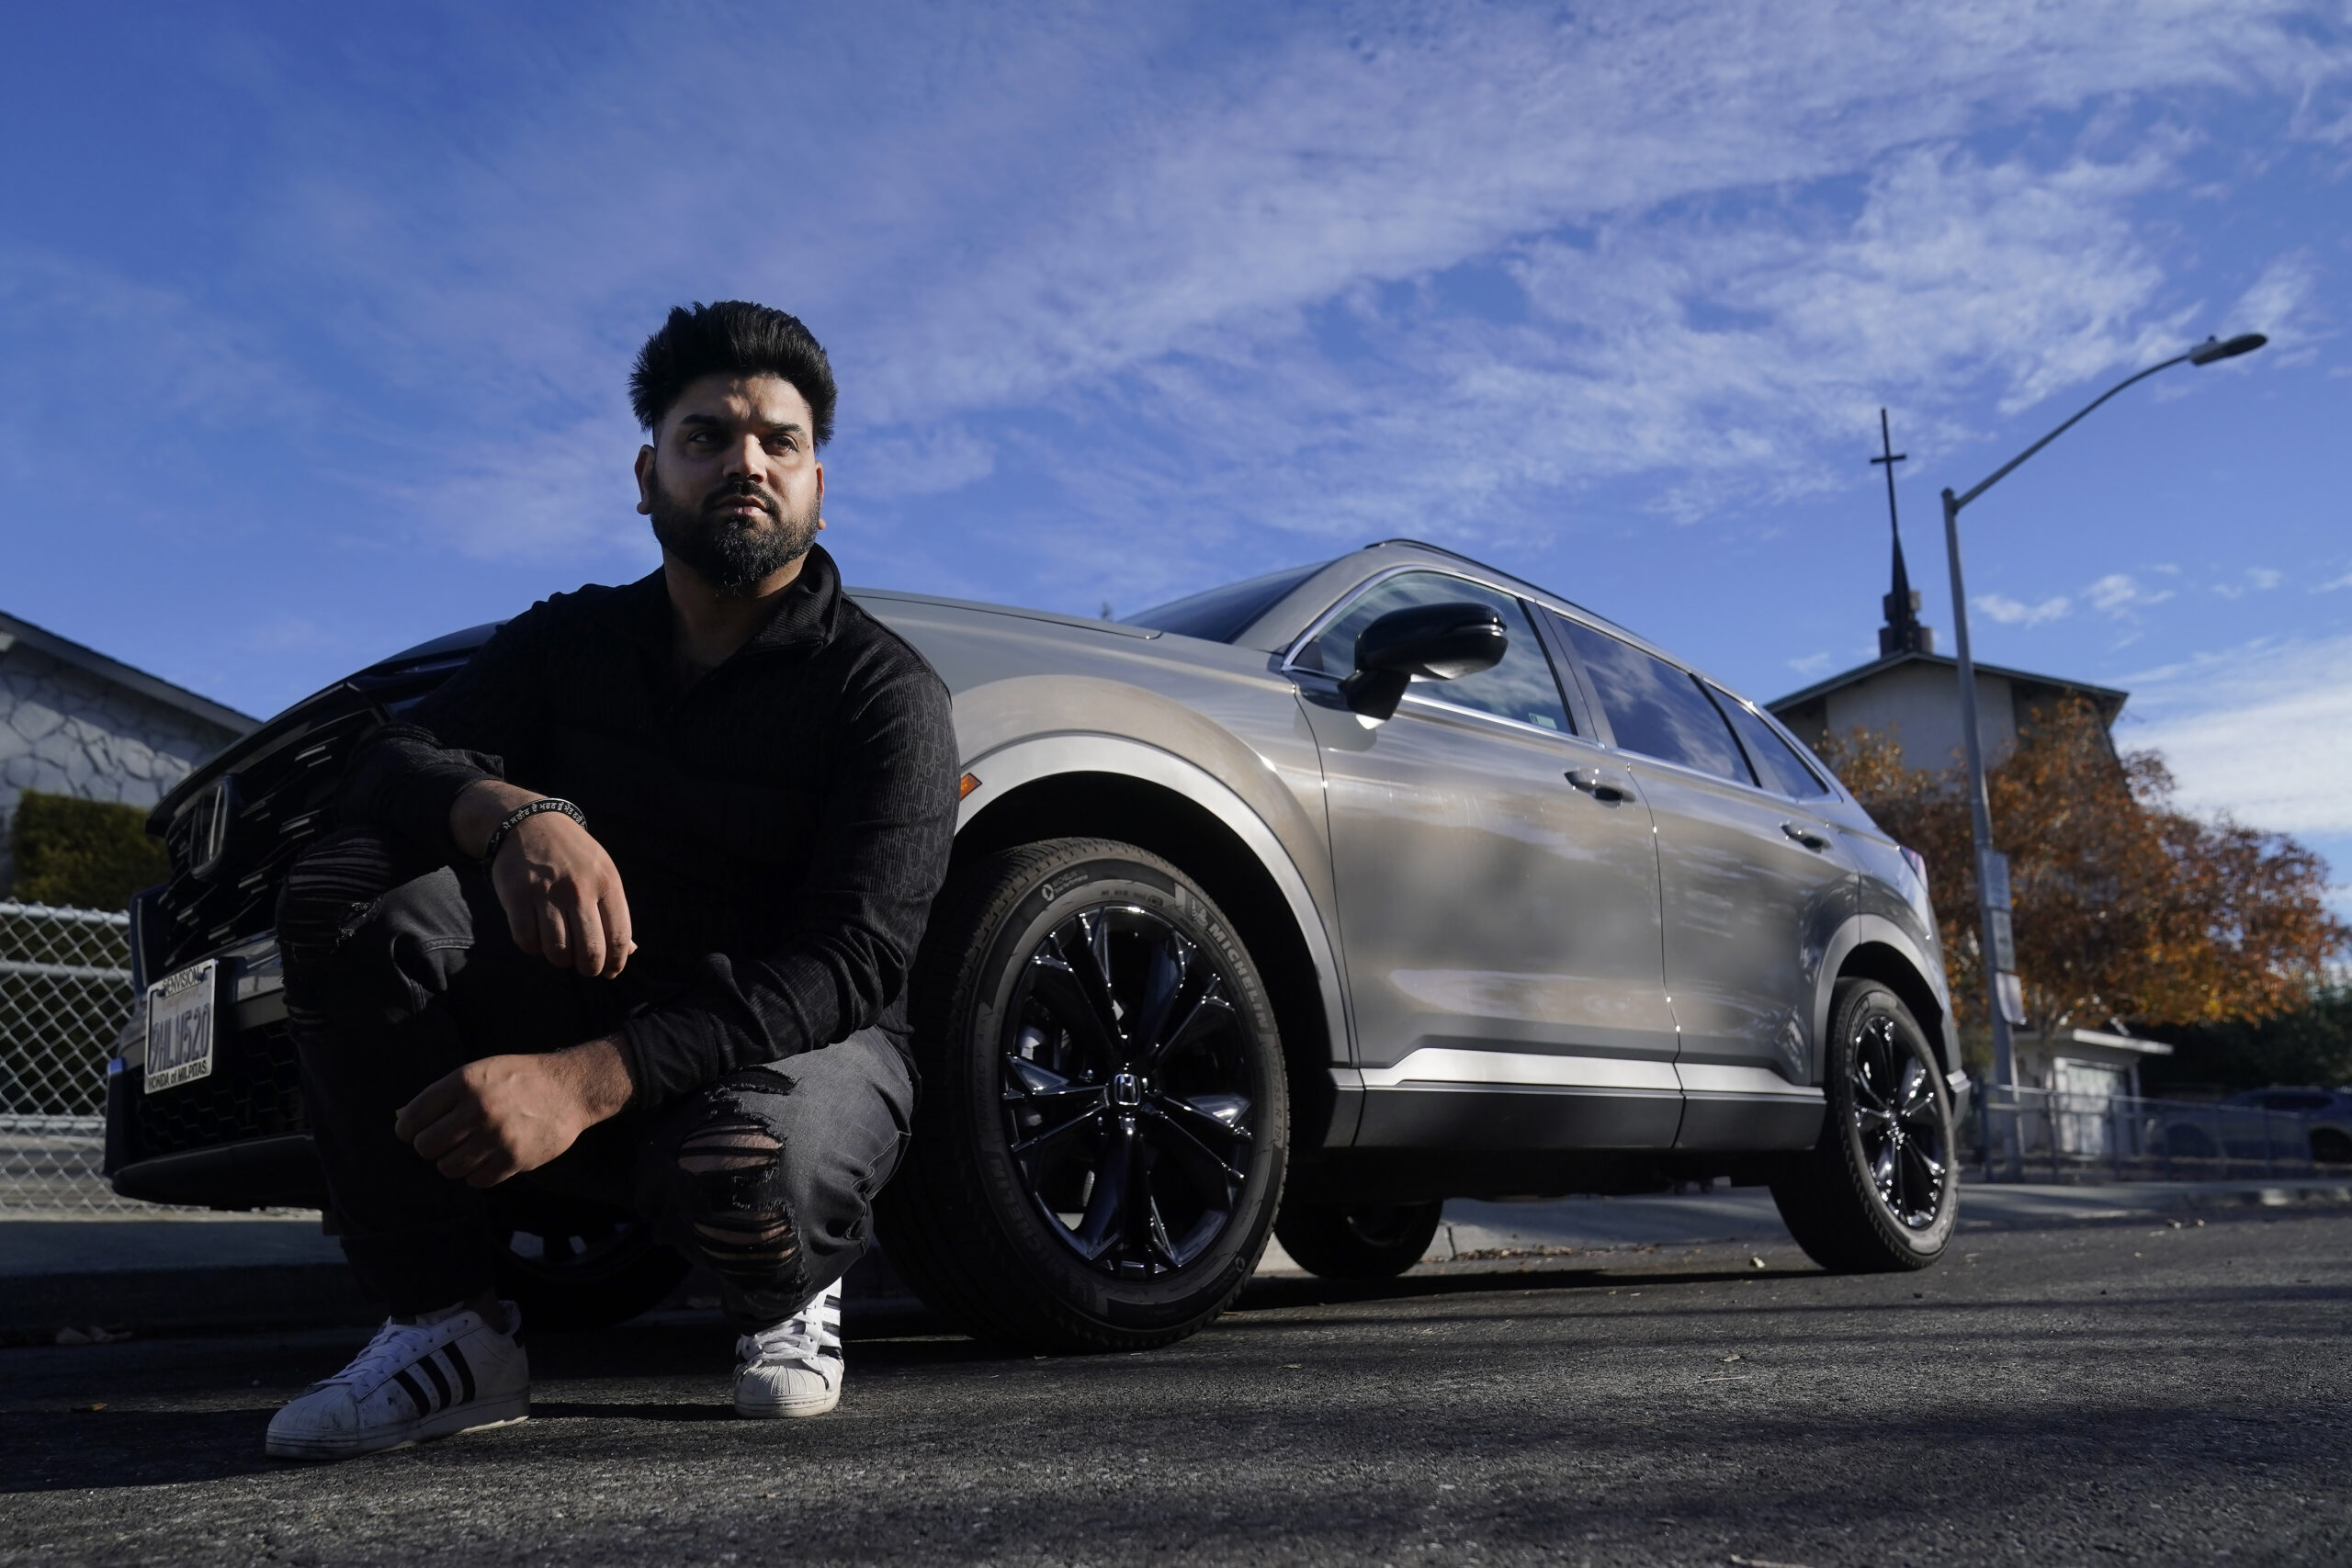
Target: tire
1377 1242
570 1264
1880 1192
1073 1185
2331 1146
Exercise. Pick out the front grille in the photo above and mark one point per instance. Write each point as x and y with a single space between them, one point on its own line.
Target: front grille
254 1092
280 804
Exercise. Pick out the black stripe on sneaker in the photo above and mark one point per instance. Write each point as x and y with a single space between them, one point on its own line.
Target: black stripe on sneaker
440 1383
464 1373
415 1394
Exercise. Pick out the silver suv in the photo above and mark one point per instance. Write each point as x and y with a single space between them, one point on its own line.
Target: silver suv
1297 906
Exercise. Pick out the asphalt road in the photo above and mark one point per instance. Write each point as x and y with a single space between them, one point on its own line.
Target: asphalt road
2128 1391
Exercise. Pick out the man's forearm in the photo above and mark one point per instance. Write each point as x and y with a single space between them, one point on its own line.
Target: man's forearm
600 1077
479 807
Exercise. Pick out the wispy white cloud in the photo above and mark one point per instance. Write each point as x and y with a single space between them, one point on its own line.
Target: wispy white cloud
2279 303
1212 280
560 495
1659 190
890 464
2257 580
2017 612
2119 595
2263 731
1813 664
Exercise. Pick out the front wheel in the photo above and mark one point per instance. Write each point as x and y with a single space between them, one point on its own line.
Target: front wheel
1100 1148
1880 1192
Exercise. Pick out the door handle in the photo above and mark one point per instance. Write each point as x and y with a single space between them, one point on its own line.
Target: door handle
1806 836
1598 785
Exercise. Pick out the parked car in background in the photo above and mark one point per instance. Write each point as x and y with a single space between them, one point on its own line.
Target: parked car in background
2282 1122
1295 907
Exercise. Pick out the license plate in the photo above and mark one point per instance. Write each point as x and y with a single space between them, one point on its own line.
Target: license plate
179 1026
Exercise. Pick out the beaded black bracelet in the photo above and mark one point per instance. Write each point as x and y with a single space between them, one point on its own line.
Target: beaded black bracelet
514 819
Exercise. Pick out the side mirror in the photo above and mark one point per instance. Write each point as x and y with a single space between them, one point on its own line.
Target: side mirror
1439 642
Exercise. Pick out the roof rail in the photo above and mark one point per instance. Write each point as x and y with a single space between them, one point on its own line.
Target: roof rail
1440 550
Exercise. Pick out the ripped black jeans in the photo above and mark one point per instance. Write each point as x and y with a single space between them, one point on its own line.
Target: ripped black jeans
394 978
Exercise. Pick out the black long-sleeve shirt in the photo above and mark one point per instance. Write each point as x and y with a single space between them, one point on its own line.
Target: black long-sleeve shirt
780 827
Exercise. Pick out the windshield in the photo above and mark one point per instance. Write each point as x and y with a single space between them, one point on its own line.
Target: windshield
1223 613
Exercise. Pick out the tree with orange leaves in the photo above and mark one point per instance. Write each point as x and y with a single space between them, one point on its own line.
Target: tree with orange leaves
2125 906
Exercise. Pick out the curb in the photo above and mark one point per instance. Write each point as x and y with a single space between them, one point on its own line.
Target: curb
34 1308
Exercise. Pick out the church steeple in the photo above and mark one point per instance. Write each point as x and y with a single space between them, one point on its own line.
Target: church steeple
1903 633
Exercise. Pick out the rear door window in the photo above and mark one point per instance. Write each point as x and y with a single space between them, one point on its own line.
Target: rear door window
1521 688
1777 762
1655 708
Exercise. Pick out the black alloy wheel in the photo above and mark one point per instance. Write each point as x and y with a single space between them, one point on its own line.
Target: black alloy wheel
572 1263
1377 1241
1100 1144
1906 1146
1879 1191
1128 1091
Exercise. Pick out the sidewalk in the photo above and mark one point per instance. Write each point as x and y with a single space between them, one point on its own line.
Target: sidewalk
1745 1213
211 1271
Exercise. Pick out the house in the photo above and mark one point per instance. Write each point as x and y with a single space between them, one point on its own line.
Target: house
75 722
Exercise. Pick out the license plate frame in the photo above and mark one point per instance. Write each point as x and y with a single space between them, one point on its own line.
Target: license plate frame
183 1013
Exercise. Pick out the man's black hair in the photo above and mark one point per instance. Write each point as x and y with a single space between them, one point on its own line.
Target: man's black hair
732 337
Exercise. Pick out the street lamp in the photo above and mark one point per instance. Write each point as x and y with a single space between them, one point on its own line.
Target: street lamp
1995 945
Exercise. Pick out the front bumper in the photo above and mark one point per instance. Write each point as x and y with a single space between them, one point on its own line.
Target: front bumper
238 1138
280 1172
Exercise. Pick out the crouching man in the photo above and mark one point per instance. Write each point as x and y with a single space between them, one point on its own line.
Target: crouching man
625 909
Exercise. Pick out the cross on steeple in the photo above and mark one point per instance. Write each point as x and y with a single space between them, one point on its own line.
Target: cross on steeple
1903 633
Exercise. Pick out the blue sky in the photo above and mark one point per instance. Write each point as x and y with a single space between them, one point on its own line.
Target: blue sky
314 320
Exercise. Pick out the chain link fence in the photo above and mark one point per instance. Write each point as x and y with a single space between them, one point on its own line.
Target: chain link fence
64 997
2038 1134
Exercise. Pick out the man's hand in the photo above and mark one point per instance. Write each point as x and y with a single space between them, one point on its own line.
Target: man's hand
560 890
505 1115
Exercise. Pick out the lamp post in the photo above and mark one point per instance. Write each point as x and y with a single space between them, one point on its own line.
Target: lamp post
2003 996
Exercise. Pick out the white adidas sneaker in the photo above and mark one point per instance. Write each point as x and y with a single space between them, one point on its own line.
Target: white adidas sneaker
794 1368
413 1382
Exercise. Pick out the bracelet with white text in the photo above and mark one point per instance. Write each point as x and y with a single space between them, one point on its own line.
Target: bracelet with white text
514 819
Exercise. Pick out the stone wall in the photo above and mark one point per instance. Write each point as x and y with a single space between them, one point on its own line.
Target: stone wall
66 731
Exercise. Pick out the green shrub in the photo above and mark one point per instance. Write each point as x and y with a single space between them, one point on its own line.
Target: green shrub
90 854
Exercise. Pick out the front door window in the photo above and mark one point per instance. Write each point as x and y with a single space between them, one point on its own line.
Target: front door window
1521 688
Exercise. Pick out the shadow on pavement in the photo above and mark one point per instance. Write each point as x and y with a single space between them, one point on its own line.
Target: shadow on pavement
49 1451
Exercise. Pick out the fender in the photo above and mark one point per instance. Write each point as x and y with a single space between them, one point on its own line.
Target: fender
1868 928
1025 762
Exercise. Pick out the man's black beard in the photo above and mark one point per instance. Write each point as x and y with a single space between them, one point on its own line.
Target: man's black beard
733 554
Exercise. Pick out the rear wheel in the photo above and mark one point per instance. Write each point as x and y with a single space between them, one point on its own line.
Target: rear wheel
1880 1192
2330 1147
1100 1144
570 1263
1373 1241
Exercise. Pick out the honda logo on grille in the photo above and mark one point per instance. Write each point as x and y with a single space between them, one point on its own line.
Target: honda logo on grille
211 817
